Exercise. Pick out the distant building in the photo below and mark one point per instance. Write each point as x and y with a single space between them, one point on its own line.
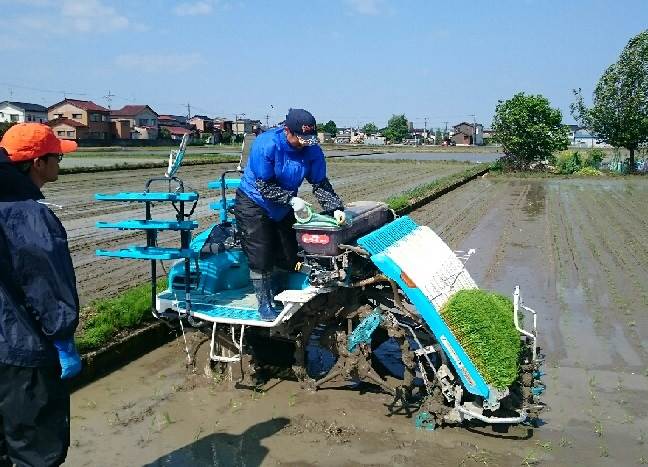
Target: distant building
468 134
66 128
177 132
202 123
586 139
375 140
324 137
223 124
94 119
172 120
21 112
142 122
246 126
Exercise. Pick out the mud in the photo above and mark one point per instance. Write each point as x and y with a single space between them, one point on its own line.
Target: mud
576 248
101 277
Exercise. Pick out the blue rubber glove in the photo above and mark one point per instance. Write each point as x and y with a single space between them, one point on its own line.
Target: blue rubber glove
69 358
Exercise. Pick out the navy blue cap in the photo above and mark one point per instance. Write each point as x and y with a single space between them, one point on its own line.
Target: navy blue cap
302 123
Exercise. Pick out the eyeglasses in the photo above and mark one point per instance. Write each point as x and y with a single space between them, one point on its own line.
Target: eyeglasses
59 157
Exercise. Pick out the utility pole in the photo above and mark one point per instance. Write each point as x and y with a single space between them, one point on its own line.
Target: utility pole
474 137
267 119
188 111
108 98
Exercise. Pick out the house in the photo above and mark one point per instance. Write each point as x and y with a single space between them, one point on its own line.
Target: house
142 122
172 120
586 139
177 132
324 137
246 126
468 134
375 140
20 112
202 123
223 124
66 128
94 119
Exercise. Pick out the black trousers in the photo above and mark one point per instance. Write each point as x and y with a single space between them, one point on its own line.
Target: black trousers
266 243
34 417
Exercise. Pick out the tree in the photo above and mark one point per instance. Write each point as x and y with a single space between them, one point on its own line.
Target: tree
330 127
164 133
438 136
529 130
4 126
619 112
370 129
397 128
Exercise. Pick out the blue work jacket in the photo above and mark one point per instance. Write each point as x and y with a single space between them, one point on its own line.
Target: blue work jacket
38 296
273 159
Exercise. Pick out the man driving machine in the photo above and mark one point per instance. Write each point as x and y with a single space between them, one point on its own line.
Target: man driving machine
279 162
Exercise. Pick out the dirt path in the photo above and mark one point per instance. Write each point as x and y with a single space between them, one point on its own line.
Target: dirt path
100 277
575 247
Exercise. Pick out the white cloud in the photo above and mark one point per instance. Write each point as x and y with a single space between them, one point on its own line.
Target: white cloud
159 62
194 8
92 15
366 7
75 15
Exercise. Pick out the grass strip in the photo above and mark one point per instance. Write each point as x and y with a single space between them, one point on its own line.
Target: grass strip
482 322
422 194
108 316
145 165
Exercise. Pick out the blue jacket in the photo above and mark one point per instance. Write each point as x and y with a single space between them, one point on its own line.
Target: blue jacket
38 297
272 159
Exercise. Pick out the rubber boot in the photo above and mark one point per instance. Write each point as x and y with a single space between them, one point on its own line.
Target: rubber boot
279 282
262 282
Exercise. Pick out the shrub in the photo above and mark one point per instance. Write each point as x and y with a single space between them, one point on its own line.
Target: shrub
593 158
589 171
482 322
568 162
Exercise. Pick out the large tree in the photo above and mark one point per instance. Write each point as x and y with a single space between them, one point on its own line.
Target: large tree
619 112
330 127
397 128
370 129
529 130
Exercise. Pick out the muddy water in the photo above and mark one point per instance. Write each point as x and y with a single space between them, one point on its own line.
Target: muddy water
578 250
575 248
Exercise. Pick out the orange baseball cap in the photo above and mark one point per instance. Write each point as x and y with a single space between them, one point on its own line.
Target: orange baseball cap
28 141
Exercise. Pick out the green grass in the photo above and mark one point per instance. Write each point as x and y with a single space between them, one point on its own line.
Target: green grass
482 322
108 316
407 198
220 159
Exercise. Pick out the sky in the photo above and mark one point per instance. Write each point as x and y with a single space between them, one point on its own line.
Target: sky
350 61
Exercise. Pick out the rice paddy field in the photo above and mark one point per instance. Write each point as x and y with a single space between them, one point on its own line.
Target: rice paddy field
578 249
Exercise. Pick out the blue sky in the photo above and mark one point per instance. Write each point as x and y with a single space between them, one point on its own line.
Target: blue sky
352 61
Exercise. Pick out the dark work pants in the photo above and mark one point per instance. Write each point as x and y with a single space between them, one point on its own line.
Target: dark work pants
266 243
34 417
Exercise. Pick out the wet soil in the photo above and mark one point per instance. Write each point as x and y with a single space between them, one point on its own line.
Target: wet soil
105 277
578 250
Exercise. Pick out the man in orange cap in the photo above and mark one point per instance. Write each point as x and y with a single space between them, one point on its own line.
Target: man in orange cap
39 306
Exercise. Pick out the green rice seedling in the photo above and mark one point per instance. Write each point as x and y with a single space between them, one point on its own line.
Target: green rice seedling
108 316
482 322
